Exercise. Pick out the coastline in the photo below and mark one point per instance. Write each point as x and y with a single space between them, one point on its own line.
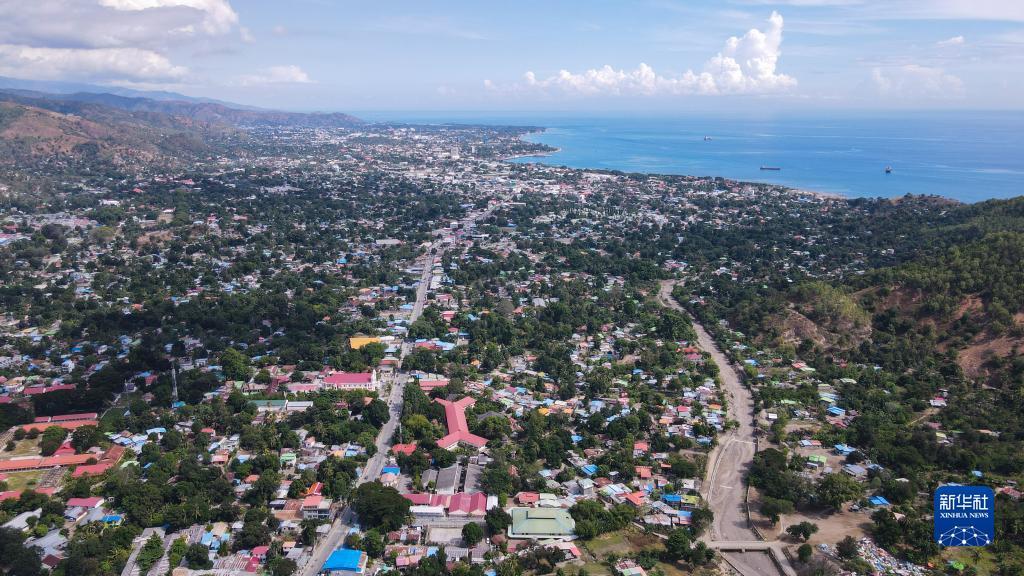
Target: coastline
843 159
800 191
531 155
540 155
819 194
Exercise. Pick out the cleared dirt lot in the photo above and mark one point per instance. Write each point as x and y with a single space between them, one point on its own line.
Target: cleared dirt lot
831 527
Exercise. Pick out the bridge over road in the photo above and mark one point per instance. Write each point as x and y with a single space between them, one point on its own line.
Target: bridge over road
741 546
739 550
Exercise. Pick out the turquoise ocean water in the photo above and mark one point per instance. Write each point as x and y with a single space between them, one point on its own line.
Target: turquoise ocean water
966 156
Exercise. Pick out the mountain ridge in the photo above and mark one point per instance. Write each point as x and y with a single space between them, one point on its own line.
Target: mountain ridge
41 127
208 112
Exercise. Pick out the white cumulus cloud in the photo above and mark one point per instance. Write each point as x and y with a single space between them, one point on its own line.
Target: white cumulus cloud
916 81
218 17
290 74
87 64
745 65
107 41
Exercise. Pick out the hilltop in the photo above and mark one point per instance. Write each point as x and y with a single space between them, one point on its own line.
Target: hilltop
30 133
38 126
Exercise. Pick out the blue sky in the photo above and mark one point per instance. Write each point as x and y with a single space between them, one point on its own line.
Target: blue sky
656 55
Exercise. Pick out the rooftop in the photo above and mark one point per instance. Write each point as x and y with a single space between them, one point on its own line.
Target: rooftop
541 523
346 560
458 429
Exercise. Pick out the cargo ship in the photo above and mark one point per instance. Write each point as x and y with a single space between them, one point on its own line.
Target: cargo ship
770 168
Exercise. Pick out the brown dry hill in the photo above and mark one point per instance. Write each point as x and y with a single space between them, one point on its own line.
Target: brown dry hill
29 133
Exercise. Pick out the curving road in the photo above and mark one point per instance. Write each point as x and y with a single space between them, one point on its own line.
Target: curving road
728 463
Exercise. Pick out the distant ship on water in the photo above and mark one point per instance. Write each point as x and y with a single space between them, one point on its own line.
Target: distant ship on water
707 138
888 169
774 168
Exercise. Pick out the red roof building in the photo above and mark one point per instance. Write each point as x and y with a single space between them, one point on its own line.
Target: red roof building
113 454
35 463
72 417
465 504
429 385
458 429
91 469
527 497
35 390
41 426
406 449
458 504
351 380
637 498
66 449
91 502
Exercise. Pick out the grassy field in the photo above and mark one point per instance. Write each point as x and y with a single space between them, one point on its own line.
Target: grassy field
20 480
24 447
981 559
622 543
116 410
619 543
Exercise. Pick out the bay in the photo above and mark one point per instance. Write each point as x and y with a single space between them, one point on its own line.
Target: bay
967 156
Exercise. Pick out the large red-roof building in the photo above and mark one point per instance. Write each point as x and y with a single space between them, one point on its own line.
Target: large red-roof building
458 504
351 380
67 425
458 429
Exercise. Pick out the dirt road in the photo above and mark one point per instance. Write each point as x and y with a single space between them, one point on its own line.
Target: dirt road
730 460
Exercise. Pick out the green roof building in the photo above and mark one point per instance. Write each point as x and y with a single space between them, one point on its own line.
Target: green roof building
541 524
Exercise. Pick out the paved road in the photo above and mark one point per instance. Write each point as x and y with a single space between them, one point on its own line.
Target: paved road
728 463
347 517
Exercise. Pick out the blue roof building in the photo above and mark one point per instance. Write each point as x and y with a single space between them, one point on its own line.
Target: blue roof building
844 450
346 560
878 501
836 411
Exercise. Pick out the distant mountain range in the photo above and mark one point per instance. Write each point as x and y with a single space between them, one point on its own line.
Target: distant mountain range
42 125
211 112
56 87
